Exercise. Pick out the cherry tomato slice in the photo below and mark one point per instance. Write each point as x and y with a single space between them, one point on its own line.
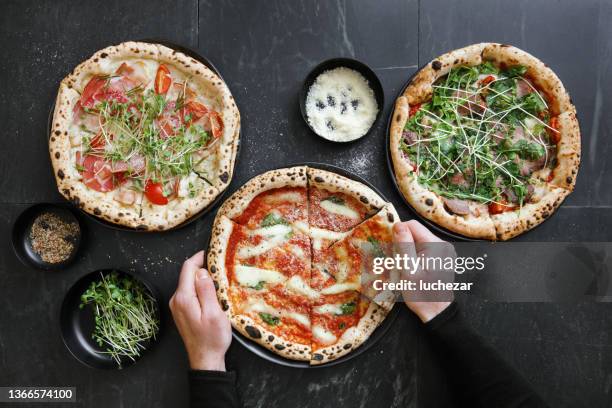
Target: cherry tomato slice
554 135
414 109
498 208
216 124
488 80
155 193
163 80
193 111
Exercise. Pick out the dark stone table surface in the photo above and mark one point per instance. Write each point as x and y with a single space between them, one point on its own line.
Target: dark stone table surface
264 49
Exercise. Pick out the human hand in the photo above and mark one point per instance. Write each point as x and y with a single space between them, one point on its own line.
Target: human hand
204 327
412 238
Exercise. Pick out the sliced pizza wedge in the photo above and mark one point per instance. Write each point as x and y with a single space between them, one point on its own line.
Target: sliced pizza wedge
274 197
262 276
350 260
335 205
340 323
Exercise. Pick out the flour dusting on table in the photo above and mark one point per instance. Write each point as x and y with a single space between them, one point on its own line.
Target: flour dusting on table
341 105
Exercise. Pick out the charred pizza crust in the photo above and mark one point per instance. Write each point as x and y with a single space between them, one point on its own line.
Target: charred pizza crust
353 337
222 230
102 205
300 176
559 184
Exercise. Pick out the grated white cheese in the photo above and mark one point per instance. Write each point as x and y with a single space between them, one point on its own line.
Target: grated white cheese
340 105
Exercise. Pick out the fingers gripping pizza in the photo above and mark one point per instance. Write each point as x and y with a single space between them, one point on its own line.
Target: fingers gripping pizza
485 141
268 259
143 136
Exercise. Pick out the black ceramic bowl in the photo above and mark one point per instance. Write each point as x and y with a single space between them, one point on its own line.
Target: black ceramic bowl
193 54
21 235
358 66
77 325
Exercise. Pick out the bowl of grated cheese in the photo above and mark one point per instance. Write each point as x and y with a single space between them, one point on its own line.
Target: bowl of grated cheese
341 100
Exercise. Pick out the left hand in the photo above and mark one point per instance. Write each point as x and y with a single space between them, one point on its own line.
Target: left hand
204 327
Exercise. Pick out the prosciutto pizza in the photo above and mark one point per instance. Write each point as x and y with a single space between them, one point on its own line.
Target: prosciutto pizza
143 136
272 257
485 141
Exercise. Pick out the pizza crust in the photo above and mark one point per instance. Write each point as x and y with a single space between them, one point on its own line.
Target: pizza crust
510 224
239 201
537 72
353 337
336 183
102 205
568 151
222 230
431 206
506 225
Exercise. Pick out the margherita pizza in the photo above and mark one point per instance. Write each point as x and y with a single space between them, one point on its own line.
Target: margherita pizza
275 276
485 141
143 136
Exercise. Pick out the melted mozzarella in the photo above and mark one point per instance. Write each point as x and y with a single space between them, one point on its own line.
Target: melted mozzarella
278 229
322 335
261 248
298 317
328 309
296 284
326 234
251 276
339 209
340 287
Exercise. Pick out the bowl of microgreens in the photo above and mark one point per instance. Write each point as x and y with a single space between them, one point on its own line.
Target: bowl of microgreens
110 318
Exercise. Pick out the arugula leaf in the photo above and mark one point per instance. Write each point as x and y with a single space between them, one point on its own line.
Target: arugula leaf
516 71
533 103
528 150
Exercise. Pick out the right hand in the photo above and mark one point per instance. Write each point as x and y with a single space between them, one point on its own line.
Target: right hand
411 234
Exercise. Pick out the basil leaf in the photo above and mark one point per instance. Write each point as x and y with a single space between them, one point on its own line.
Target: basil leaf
376 247
272 219
347 308
335 200
270 319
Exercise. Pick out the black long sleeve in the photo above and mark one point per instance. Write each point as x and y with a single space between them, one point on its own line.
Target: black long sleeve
213 389
479 377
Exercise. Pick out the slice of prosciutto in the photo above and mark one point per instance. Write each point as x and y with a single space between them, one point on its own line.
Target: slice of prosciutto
97 174
135 165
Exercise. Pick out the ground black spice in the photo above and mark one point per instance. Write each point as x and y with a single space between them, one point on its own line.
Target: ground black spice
52 238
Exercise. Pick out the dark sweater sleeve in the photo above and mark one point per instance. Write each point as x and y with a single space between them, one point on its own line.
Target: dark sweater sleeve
212 389
478 375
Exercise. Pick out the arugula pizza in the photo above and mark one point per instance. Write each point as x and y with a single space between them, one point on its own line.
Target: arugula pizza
485 141
143 136
269 259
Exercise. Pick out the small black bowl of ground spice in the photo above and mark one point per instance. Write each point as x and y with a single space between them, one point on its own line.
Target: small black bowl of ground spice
46 236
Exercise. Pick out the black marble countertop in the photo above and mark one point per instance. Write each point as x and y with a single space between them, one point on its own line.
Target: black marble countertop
264 49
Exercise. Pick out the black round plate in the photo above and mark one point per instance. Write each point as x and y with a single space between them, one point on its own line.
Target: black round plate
424 220
373 339
193 54
358 66
76 324
20 236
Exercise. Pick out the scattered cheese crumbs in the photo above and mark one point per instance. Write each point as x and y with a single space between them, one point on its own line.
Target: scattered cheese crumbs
340 105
